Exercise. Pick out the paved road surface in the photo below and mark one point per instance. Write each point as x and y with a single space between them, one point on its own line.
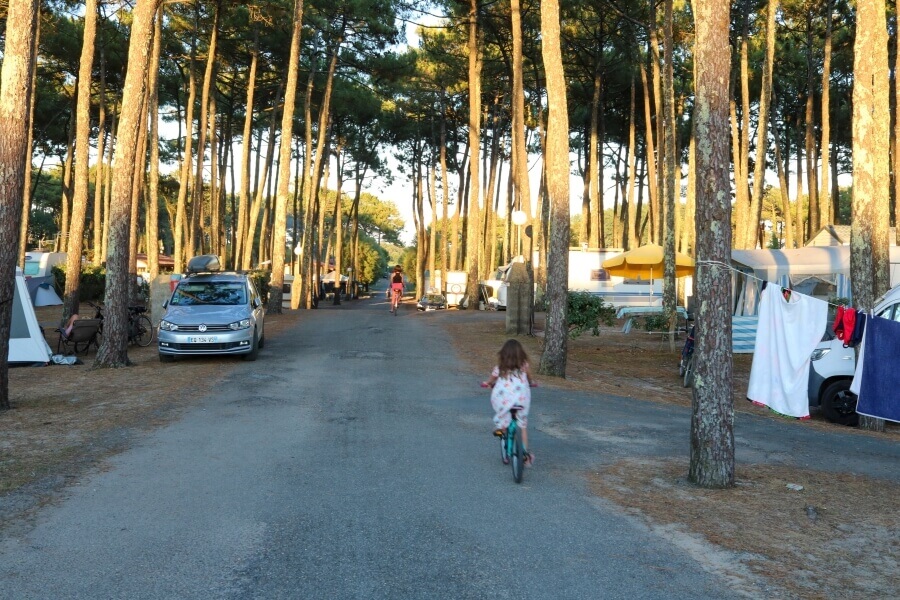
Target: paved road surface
354 460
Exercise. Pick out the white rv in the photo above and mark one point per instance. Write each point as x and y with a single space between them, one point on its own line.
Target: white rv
587 275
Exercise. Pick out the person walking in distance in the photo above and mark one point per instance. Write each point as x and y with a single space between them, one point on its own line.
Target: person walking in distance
511 382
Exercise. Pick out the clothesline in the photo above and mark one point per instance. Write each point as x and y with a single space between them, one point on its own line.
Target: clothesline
745 273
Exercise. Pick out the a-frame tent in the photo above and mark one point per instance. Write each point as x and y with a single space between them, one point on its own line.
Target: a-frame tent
26 340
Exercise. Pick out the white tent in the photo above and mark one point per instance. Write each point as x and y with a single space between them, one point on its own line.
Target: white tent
819 271
26 341
45 295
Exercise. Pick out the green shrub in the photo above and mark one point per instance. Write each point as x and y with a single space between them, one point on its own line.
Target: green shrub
656 323
586 311
92 285
260 279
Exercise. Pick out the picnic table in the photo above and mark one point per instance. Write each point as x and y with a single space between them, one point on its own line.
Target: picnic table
632 312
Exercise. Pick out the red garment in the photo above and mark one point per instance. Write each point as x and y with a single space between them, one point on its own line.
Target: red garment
838 326
849 324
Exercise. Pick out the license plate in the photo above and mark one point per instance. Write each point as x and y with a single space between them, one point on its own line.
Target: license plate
427 308
203 339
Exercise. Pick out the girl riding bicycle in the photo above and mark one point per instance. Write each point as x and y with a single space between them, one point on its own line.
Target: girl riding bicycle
396 288
511 380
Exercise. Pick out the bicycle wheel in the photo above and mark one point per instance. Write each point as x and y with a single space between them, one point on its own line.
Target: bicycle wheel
504 454
689 372
143 331
517 458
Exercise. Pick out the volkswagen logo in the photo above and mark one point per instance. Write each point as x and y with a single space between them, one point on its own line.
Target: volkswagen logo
202 327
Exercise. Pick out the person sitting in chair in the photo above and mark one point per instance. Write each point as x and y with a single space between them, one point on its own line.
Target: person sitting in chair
67 329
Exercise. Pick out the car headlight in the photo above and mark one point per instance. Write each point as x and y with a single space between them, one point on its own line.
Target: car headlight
166 326
242 324
819 353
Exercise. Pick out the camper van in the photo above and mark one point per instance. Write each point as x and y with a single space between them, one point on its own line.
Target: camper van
587 275
40 264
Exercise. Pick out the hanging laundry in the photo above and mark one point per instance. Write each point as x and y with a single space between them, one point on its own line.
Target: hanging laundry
856 383
838 326
848 325
786 336
878 395
858 330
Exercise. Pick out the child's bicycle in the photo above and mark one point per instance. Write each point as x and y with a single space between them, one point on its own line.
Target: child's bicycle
512 450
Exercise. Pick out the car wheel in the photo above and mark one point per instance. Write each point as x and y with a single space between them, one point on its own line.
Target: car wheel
839 403
254 349
262 341
166 358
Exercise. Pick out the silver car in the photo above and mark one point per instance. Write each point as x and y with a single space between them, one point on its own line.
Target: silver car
212 313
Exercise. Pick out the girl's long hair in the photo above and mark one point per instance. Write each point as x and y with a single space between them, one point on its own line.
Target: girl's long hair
512 357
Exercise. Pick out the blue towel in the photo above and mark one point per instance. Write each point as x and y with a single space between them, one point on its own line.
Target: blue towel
856 338
878 395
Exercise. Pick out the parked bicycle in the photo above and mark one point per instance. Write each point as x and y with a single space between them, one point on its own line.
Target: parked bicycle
140 329
686 365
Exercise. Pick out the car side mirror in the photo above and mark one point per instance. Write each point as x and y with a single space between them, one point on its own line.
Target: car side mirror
165 304
256 303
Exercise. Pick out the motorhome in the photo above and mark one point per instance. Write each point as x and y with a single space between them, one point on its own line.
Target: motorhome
587 275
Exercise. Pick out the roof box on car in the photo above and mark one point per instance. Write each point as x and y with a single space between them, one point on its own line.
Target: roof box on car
205 263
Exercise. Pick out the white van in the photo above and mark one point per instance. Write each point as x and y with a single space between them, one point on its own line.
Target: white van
833 365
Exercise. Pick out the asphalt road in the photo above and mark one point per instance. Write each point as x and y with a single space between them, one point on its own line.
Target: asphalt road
354 460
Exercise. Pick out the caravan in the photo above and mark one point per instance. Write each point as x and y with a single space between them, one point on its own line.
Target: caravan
26 340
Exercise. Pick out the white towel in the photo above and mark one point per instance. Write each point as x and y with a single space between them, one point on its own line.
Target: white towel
786 336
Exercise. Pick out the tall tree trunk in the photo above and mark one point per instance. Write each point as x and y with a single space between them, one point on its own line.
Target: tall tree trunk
800 230
97 246
153 184
712 417
29 152
15 103
785 196
186 162
630 235
825 206
253 219
62 242
432 234
82 158
445 195
113 351
745 229
595 166
107 186
246 145
765 96
814 223
656 181
196 229
519 150
651 158
669 181
688 232
284 173
869 251
473 237
553 360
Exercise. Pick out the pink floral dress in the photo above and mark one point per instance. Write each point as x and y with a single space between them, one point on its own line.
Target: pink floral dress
512 390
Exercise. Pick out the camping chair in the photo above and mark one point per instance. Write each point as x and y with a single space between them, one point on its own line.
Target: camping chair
84 333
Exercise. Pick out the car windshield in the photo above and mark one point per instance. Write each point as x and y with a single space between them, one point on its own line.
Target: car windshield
217 292
433 299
